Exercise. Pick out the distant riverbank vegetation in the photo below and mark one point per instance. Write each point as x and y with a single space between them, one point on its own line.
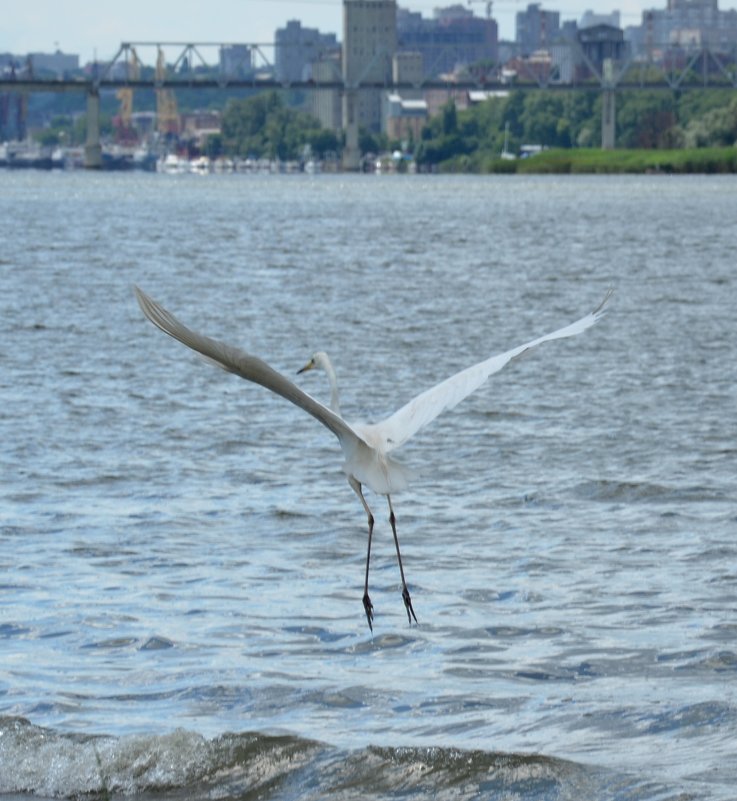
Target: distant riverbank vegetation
264 127
656 130
559 161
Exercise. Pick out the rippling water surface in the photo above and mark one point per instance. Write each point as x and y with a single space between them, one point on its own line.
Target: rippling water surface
181 559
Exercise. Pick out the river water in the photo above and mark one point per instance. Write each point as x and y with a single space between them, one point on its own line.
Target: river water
181 558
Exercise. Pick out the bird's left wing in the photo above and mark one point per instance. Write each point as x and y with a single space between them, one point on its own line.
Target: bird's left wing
424 408
246 366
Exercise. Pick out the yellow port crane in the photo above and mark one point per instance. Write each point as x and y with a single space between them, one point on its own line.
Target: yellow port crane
167 117
125 96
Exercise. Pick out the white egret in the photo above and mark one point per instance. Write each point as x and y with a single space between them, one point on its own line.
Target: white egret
367 448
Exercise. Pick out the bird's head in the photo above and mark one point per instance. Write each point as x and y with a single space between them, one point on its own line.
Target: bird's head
318 359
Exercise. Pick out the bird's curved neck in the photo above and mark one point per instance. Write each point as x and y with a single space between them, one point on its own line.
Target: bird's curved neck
332 378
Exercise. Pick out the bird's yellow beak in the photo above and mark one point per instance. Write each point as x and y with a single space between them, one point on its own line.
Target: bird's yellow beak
309 366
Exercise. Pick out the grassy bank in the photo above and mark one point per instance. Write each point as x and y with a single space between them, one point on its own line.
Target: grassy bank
697 160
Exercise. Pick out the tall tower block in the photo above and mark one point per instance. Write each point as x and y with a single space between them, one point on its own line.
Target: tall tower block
369 42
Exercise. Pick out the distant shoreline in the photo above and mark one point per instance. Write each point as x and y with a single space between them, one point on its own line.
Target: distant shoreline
575 161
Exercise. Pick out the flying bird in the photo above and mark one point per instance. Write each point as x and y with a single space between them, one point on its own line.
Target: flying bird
367 447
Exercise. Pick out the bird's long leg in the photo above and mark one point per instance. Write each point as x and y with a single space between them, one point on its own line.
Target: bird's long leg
367 605
405 592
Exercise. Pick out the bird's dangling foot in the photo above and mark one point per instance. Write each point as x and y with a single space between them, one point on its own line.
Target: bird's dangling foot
369 609
408 606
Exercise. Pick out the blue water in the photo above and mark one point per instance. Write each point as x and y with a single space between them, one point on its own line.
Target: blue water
181 558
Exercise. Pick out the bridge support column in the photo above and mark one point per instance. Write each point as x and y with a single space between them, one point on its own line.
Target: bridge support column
608 119
351 152
608 105
92 148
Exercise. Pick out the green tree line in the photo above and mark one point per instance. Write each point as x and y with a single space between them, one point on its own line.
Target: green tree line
265 125
471 139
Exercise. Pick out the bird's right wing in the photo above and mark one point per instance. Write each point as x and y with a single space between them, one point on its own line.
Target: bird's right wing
246 366
424 408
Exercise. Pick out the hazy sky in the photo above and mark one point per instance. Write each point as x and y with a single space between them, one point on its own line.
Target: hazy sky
89 27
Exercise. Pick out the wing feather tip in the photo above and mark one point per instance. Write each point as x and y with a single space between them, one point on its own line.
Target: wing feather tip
600 311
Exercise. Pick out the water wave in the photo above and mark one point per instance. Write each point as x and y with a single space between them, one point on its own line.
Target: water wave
43 763
613 491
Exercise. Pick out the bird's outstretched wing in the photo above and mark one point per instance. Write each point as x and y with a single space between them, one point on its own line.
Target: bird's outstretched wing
424 408
246 366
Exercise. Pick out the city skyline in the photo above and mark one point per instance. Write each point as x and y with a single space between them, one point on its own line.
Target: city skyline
95 30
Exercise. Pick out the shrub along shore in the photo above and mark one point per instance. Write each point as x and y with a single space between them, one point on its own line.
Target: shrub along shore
569 161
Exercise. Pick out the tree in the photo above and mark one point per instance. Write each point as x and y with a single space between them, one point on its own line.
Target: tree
715 128
646 119
543 111
262 126
214 146
450 118
370 142
513 111
323 141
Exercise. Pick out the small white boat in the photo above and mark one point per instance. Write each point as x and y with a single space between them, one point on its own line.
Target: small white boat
505 154
200 166
172 164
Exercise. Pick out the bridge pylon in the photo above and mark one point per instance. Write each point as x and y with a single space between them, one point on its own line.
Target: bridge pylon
93 148
351 151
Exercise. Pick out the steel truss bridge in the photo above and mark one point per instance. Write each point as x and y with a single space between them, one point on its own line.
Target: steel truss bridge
571 69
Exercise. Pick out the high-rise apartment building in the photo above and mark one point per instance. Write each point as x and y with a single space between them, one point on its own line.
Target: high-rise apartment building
297 48
57 62
325 104
236 61
454 37
682 5
589 19
537 29
369 42
685 24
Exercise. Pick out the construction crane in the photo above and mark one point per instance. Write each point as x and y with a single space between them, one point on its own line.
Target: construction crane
124 121
167 117
489 5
